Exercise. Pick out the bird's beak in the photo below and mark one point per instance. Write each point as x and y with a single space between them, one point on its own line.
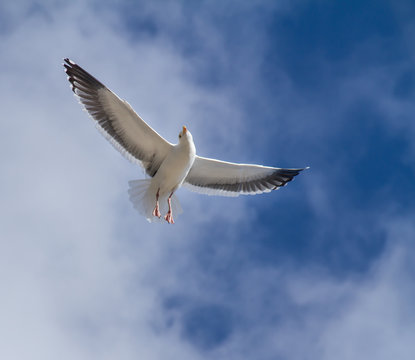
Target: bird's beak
184 129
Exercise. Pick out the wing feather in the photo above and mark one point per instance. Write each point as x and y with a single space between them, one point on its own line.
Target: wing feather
117 120
214 177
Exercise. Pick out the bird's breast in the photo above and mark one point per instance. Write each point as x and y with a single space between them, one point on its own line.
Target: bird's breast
174 168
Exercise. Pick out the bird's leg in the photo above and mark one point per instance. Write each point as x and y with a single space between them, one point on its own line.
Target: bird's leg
156 211
169 215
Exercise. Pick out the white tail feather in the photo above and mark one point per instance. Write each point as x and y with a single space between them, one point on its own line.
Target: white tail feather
143 197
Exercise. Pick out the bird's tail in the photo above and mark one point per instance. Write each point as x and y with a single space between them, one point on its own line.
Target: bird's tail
143 197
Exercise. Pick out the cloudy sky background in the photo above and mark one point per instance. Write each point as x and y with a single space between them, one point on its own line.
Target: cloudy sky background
321 269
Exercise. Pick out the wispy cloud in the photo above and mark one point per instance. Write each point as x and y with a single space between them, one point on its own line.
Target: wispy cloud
85 277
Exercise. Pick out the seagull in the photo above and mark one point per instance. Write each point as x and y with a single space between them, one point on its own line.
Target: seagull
168 166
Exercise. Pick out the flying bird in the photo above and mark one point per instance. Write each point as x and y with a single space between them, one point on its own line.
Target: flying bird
169 166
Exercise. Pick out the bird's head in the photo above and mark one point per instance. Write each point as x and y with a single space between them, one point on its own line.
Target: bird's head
185 135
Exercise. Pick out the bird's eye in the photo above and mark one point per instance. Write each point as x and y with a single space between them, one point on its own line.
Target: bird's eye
180 136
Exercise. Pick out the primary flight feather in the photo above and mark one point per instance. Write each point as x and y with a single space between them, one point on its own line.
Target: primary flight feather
169 166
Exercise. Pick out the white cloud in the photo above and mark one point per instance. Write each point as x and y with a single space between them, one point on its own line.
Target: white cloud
83 270
379 321
85 277
291 313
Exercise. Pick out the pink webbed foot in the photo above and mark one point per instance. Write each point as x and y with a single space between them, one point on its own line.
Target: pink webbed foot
169 218
156 211
169 215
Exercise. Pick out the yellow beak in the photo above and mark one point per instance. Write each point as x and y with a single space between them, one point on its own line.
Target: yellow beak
184 129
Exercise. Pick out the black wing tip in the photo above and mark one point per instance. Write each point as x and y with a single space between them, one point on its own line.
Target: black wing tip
71 66
78 76
68 63
288 174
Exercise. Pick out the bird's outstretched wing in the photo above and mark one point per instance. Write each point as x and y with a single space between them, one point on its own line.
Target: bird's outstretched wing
214 177
116 119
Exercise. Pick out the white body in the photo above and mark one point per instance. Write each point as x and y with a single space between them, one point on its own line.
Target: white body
168 178
175 167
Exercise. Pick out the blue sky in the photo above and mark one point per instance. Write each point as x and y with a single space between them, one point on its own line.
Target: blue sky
320 269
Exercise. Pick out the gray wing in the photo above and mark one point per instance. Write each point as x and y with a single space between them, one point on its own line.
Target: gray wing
214 177
118 122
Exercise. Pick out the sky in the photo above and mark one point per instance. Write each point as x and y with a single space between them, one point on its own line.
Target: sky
320 269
